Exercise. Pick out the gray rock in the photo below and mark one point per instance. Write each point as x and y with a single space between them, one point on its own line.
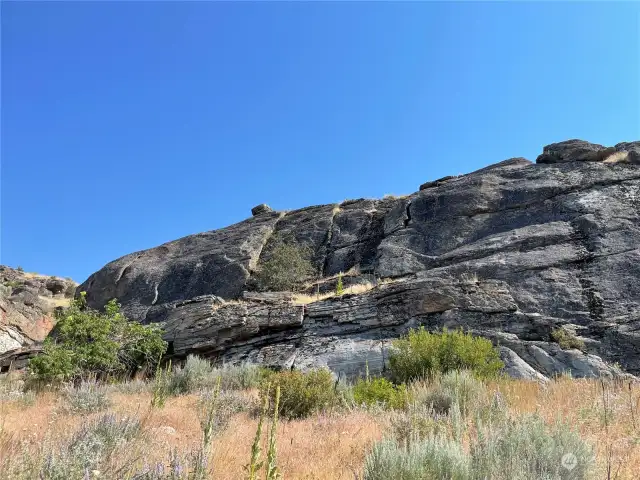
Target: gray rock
632 149
510 252
260 209
56 285
574 151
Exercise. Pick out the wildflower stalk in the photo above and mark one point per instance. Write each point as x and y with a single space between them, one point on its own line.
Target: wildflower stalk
272 469
255 465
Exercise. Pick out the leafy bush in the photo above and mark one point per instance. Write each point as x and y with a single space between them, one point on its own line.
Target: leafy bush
380 391
302 394
432 458
288 265
88 397
88 343
425 354
566 340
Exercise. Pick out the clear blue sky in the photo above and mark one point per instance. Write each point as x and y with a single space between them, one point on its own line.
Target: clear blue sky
125 125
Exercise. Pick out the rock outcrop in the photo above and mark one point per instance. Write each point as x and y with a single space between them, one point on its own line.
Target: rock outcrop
27 304
511 252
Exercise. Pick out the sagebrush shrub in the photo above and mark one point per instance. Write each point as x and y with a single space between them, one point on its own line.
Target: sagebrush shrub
199 374
88 397
380 391
431 458
423 354
91 448
525 448
227 404
302 393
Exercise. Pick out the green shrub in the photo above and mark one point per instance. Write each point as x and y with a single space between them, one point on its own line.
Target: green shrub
302 394
288 265
425 354
566 339
88 343
380 391
339 285
88 397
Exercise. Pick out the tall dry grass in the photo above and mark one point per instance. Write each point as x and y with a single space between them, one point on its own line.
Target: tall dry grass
331 446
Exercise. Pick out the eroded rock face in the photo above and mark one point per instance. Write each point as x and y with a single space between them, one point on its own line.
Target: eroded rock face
27 304
511 252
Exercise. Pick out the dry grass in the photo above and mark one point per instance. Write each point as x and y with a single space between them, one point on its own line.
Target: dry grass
305 299
334 446
58 301
618 157
606 415
321 447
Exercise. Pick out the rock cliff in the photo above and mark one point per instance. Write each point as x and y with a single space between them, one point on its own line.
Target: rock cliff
512 252
27 305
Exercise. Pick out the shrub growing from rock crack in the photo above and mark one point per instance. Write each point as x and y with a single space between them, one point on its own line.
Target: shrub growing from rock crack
288 265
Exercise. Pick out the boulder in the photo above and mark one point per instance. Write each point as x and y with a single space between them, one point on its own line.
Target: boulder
260 209
574 151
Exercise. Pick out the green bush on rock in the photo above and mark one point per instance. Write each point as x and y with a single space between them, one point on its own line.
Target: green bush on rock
422 354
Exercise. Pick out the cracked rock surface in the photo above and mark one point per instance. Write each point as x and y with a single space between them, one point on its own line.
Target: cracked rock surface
510 252
27 304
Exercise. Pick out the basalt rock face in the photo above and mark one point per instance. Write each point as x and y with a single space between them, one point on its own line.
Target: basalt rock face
511 252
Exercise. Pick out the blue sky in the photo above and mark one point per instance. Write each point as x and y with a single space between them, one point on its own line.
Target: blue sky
125 125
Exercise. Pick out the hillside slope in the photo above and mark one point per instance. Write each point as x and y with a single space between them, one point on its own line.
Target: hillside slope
513 252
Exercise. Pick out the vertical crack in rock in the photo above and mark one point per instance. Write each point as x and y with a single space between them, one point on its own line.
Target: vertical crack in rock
407 218
253 262
327 242
594 300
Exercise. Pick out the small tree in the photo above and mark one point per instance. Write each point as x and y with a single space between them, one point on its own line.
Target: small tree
87 342
288 265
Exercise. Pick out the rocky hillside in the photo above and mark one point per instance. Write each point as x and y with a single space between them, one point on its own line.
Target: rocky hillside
524 253
27 304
